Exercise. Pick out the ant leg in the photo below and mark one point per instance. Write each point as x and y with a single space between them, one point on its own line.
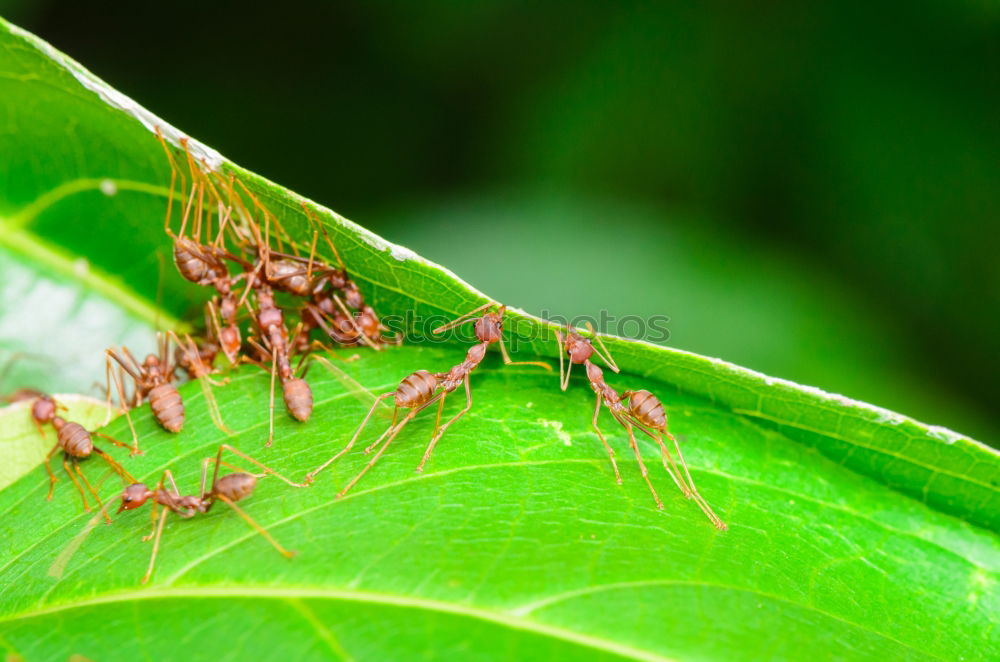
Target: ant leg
665 458
312 474
250 281
437 419
156 545
267 469
153 512
606 355
507 361
312 256
700 500
270 418
107 391
642 465
317 345
370 447
121 400
562 378
168 476
213 404
326 237
119 469
257 527
113 440
175 172
83 495
354 324
322 320
461 319
395 431
48 467
93 492
611 452
440 433
187 207
349 383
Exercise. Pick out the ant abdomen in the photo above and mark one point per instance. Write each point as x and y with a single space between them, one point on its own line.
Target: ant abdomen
235 486
231 341
289 276
167 406
298 398
193 264
416 389
75 440
647 408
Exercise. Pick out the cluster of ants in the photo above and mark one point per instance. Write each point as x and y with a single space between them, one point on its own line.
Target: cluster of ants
238 253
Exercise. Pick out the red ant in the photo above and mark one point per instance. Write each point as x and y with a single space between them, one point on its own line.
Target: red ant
201 264
648 414
153 380
643 411
422 388
270 322
75 442
228 489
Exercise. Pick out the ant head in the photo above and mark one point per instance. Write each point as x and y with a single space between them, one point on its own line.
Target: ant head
578 347
489 327
134 496
44 409
152 361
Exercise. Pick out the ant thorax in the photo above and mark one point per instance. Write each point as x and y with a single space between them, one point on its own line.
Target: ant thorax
271 317
154 370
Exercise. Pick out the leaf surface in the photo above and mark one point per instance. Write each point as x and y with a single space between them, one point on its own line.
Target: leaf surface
852 529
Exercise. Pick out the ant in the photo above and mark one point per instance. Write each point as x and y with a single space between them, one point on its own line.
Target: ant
200 264
75 442
648 414
421 389
270 322
228 489
641 410
153 380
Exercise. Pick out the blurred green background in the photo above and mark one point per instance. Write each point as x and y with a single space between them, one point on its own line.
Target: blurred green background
808 189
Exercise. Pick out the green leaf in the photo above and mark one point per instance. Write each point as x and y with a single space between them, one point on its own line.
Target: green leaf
853 531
